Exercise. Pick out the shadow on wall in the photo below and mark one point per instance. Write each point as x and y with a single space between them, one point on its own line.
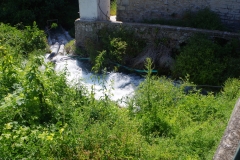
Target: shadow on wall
140 10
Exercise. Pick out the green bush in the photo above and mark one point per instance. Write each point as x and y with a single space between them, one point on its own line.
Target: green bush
207 62
33 39
71 48
120 45
24 40
153 104
179 125
232 88
25 11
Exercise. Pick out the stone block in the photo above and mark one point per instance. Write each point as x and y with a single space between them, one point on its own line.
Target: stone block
88 29
121 8
167 7
125 2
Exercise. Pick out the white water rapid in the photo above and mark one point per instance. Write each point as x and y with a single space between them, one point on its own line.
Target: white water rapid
117 86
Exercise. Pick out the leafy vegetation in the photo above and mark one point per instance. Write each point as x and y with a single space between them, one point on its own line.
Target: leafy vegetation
24 40
119 45
25 11
41 11
208 61
42 117
71 48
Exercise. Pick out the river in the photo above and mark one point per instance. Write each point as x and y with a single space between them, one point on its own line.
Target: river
117 86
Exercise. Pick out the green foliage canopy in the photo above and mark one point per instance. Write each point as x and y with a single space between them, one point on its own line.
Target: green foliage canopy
27 11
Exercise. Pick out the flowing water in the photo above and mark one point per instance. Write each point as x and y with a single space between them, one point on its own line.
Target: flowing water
117 86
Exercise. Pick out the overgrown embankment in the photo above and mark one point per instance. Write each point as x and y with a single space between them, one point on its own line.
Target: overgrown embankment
42 117
209 57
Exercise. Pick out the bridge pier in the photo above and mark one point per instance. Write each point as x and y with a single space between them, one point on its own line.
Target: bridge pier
92 10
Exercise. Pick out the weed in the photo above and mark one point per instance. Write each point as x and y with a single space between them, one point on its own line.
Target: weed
120 45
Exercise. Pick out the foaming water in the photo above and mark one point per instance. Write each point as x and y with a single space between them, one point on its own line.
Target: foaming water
118 87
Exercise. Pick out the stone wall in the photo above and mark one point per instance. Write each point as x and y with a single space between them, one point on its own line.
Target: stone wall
151 33
139 10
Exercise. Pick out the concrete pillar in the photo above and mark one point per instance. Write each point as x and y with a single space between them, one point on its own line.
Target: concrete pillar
93 10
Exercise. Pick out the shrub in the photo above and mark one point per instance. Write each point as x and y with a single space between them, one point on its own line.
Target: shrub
33 38
120 44
24 40
153 103
232 88
207 62
179 125
71 48
120 41
16 11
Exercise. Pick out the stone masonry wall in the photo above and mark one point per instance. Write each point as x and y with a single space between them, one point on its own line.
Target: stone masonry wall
151 33
139 10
